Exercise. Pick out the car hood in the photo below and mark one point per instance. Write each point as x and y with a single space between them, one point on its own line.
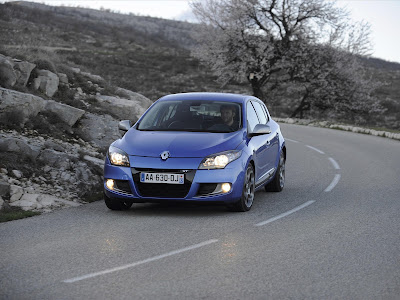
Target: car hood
179 144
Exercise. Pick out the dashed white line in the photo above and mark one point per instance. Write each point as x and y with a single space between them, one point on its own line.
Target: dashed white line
91 275
334 163
290 140
285 214
333 183
315 149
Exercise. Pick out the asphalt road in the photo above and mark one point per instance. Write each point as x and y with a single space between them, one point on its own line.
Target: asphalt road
333 233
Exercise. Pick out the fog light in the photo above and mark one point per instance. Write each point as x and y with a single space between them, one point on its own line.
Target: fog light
110 184
226 187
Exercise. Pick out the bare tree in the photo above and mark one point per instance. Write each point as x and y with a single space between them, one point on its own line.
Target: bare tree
307 46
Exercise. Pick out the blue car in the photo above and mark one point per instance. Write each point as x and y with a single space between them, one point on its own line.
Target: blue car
198 148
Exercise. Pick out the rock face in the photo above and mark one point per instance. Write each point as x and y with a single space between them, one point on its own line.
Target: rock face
66 113
124 109
14 72
55 179
17 146
101 130
51 153
27 105
7 74
141 100
47 82
23 70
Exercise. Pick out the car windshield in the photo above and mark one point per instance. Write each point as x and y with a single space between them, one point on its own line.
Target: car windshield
197 116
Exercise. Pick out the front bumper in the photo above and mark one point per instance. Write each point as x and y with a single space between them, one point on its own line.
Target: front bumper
196 181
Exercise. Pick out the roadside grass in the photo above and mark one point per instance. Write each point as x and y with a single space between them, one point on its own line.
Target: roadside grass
15 213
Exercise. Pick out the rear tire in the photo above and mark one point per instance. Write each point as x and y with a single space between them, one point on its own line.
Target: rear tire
246 201
278 182
115 204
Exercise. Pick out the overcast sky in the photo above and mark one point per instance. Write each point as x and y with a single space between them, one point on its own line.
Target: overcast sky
383 15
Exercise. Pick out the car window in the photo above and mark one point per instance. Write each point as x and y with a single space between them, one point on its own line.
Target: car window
252 119
201 116
266 112
260 112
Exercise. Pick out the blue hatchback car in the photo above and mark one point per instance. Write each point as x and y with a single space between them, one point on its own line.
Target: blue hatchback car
196 147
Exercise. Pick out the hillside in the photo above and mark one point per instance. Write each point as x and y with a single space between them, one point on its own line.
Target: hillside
147 55
143 54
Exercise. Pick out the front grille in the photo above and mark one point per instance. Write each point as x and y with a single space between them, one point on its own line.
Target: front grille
163 190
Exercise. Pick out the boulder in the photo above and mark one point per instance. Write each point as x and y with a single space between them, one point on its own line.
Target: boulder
7 73
123 109
23 70
138 98
63 78
55 159
26 104
95 163
66 113
17 173
101 130
49 144
18 146
47 82
94 78
16 193
4 189
27 202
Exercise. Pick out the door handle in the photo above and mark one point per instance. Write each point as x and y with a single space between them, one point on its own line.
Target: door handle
268 143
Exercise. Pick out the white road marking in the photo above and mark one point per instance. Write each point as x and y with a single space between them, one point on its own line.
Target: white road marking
285 214
290 140
333 183
315 149
91 275
334 163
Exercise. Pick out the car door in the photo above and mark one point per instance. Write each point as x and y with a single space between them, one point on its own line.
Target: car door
266 145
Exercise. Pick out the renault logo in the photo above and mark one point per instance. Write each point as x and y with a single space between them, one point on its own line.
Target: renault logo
165 155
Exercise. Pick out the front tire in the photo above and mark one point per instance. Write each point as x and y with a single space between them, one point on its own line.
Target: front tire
278 182
246 201
114 204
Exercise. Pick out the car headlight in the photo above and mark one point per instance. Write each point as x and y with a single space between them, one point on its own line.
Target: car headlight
118 157
220 160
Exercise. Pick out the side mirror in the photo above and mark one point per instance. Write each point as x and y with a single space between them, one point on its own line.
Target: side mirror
124 126
261 129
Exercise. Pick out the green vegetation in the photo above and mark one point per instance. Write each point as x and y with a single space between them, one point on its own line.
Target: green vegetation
15 213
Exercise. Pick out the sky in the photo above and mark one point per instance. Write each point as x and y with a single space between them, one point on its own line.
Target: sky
382 15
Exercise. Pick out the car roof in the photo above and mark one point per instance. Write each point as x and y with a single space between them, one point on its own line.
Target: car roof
207 96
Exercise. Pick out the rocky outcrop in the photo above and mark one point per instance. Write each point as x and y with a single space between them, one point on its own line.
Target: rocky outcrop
47 82
51 153
15 145
29 106
100 130
26 105
14 71
23 70
7 74
63 78
124 109
141 100
66 113
62 173
94 78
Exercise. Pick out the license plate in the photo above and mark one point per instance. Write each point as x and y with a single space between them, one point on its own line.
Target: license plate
162 178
